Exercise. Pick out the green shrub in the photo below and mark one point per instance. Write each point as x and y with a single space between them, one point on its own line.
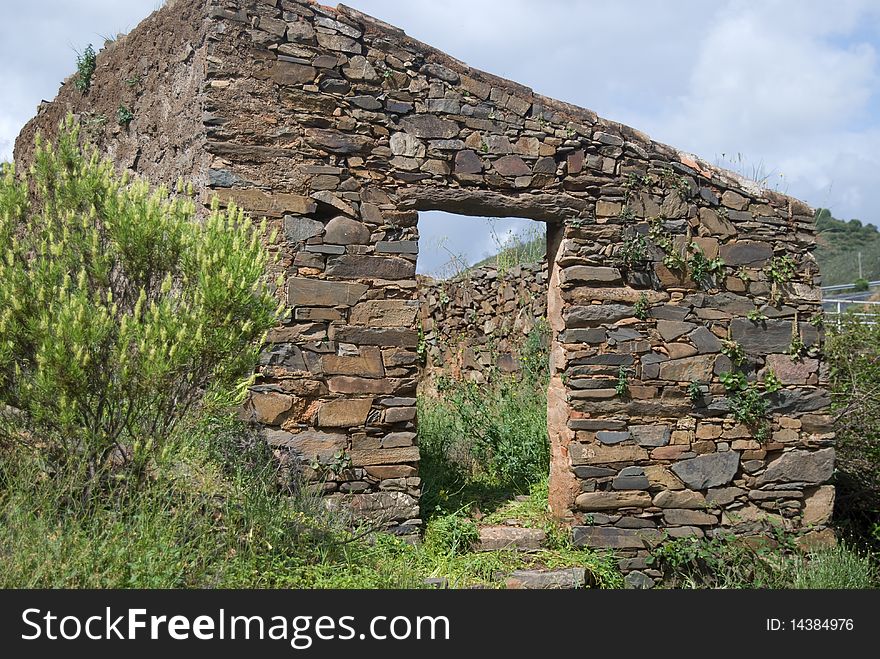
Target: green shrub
481 443
723 561
124 116
853 354
861 285
497 432
118 310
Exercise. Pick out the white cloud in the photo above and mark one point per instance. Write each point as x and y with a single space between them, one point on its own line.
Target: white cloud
38 45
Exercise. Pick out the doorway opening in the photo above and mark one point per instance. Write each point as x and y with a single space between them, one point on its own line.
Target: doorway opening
484 349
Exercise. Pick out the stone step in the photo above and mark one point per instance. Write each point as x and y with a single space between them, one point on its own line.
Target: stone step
561 579
494 538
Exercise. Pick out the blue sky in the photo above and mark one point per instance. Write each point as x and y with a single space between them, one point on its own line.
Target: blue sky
793 86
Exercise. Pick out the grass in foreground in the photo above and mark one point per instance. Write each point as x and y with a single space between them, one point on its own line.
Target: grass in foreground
214 518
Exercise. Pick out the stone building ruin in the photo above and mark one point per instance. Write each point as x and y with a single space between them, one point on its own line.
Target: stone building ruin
339 129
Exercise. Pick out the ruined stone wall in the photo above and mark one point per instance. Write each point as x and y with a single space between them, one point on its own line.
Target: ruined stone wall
340 128
475 325
158 74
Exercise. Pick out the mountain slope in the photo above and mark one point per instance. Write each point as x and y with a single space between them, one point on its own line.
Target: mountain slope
839 245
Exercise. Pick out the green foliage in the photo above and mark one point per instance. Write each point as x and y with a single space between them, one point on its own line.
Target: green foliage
797 347
213 517
483 443
621 387
852 352
726 561
642 307
633 251
702 270
118 311
634 182
449 535
493 436
534 354
839 567
626 213
772 383
695 392
677 182
781 269
861 285
756 316
123 115
743 273
748 401
688 259
672 257
722 561
734 351
734 380
85 68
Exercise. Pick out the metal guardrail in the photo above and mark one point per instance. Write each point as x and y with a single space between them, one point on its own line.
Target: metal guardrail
846 287
870 315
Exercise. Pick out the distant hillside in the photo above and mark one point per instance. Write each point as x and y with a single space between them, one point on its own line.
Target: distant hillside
839 245
517 251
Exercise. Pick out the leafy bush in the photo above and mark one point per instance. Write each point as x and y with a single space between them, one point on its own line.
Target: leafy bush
853 354
479 444
723 561
119 311
861 285
499 433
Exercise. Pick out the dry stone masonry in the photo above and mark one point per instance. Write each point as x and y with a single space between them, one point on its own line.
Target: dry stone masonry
476 324
339 128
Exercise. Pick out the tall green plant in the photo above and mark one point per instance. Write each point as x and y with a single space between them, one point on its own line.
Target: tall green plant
118 309
853 354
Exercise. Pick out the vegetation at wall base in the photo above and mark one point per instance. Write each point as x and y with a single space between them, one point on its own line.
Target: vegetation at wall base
853 356
728 561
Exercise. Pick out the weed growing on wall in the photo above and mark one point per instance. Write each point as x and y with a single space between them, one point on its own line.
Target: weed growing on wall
85 68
